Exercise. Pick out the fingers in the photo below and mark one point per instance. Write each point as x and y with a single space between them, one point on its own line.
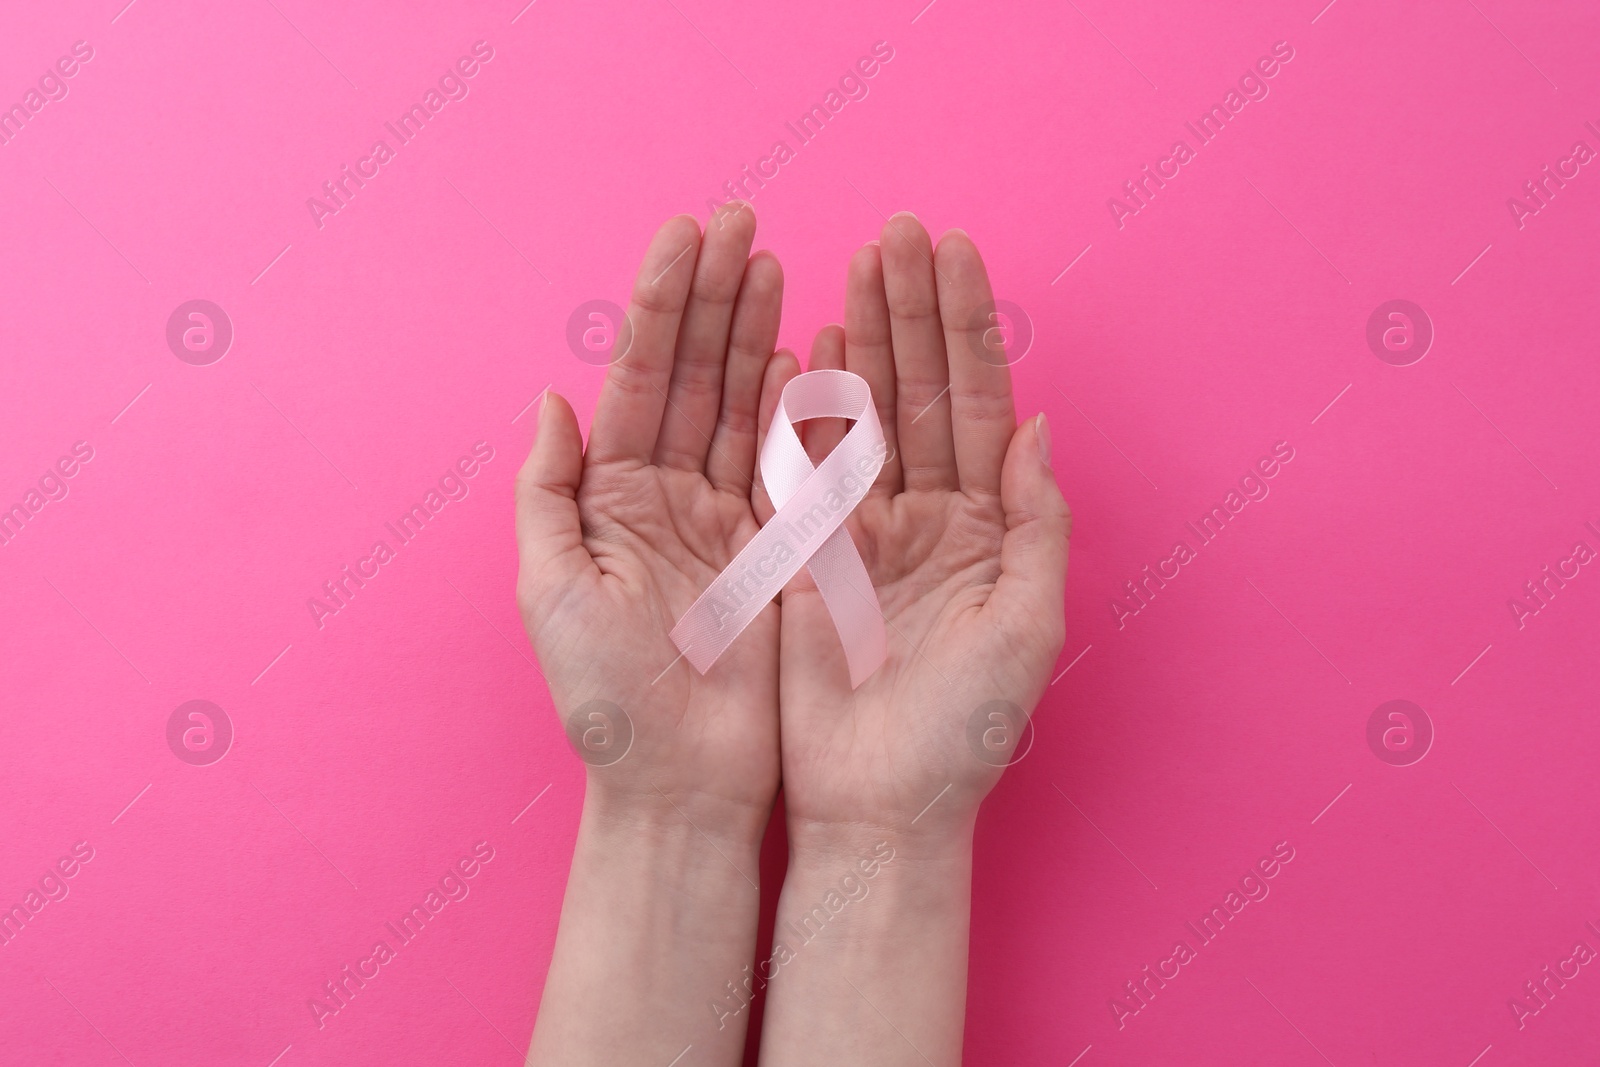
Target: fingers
821 436
695 395
982 418
549 534
627 417
868 352
781 369
1033 553
922 408
730 464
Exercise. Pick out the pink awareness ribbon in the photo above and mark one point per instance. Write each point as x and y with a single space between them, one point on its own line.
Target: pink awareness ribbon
807 530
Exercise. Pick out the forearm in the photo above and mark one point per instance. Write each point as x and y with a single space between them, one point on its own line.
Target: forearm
660 913
870 967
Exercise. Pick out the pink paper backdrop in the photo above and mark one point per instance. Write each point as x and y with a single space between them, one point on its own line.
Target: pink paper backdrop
1178 340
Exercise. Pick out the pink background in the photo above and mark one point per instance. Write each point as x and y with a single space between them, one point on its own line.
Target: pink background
425 316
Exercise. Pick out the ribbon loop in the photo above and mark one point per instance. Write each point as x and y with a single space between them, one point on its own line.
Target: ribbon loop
812 503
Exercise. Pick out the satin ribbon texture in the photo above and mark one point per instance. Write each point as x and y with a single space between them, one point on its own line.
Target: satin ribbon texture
807 530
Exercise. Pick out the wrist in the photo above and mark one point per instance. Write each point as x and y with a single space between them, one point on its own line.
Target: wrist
872 924
659 822
826 845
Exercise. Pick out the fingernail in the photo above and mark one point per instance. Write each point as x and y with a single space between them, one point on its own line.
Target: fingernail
1041 431
908 215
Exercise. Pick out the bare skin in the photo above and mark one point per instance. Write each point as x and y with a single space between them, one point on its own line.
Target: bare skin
964 535
616 540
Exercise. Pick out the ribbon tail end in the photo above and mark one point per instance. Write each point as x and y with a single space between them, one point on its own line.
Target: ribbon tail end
702 659
864 662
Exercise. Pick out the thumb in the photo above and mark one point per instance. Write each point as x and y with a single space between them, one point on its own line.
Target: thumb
1033 554
549 533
